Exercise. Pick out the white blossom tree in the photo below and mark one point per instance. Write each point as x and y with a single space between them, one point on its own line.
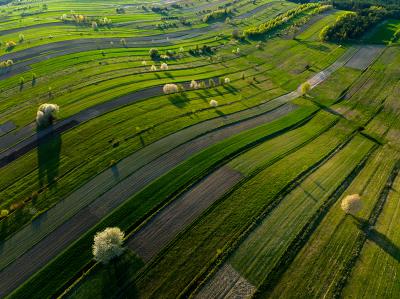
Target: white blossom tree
170 88
213 103
227 80
153 68
164 67
46 114
108 244
194 84
351 204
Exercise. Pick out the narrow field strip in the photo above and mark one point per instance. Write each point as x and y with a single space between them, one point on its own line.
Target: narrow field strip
320 267
365 57
163 227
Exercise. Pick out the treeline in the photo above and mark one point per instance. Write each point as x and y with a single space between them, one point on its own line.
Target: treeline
354 24
276 23
217 15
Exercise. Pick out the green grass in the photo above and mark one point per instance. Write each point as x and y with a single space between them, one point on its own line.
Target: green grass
384 32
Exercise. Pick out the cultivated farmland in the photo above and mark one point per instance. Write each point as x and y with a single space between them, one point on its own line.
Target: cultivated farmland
199 149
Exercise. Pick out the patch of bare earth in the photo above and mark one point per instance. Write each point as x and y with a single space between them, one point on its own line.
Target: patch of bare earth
227 283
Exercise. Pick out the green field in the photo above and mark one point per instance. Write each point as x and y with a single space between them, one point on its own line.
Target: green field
220 136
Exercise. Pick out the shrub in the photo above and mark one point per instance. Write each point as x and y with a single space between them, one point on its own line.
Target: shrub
4 213
21 37
213 103
123 42
211 83
217 14
154 53
305 88
108 244
95 26
144 63
164 67
46 114
10 45
170 88
351 204
194 84
6 64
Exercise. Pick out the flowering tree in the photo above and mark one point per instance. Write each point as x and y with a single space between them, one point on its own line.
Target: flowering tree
227 80
194 84
351 204
153 68
213 103
46 114
164 67
170 88
108 244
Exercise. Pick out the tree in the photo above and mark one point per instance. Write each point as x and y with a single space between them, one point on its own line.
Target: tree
213 103
153 68
154 53
351 204
305 88
194 84
164 67
170 88
108 244
46 114
227 80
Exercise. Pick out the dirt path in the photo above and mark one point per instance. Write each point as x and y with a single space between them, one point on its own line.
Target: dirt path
163 227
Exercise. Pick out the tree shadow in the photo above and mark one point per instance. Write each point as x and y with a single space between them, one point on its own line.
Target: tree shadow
378 238
178 99
118 278
48 153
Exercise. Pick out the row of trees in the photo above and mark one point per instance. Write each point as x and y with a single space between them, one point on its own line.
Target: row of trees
353 24
217 15
86 21
274 24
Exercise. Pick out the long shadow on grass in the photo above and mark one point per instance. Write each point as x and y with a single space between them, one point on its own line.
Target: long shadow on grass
378 238
117 277
48 153
178 99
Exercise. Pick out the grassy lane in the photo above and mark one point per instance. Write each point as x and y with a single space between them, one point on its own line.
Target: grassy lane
323 264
